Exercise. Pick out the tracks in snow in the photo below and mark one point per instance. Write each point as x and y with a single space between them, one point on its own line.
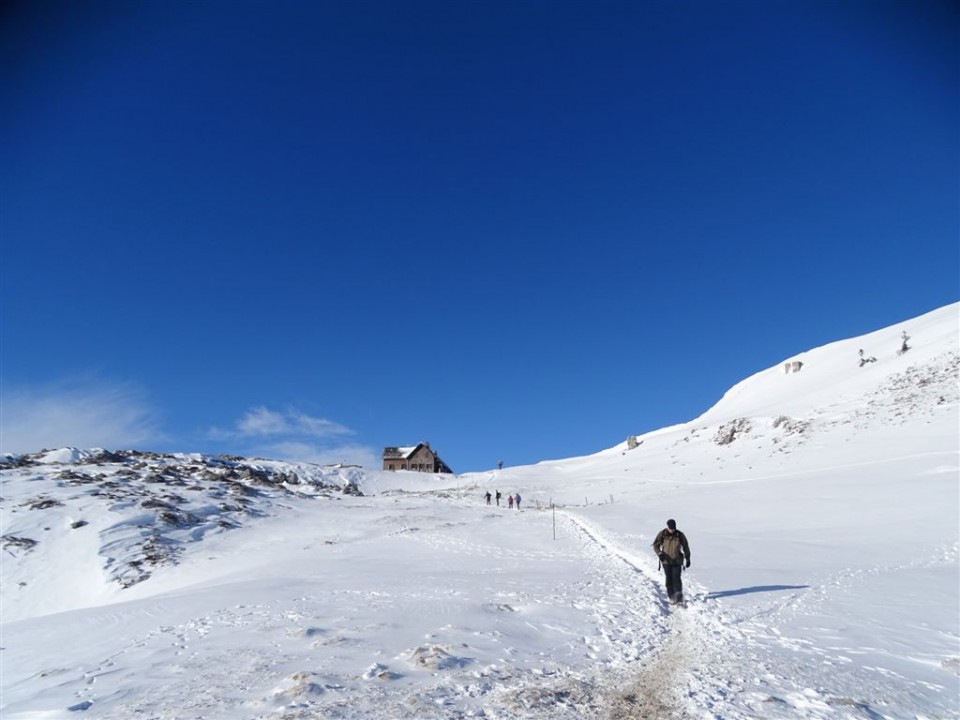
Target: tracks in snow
703 663
673 667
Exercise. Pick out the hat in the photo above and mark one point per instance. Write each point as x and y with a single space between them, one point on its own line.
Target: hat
672 524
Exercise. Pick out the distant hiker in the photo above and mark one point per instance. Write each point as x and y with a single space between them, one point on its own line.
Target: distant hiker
487 496
499 464
904 347
672 548
516 499
498 498
510 501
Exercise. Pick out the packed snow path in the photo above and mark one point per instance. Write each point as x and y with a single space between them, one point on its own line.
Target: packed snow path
704 662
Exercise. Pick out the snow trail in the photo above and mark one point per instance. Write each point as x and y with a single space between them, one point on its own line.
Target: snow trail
700 662
673 676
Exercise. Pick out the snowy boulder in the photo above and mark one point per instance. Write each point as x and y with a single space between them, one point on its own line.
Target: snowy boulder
728 432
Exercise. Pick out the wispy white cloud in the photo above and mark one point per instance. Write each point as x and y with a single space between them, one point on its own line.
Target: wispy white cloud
88 413
78 413
295 436
351 454
263 422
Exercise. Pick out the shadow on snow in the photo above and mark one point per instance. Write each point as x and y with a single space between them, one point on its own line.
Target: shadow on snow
754 589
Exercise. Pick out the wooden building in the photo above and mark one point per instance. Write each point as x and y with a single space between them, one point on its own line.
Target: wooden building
419 458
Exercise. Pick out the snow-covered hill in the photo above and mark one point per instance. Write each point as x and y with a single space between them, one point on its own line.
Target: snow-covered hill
117 516
822 506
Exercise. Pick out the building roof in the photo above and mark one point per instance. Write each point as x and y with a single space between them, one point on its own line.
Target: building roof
401 452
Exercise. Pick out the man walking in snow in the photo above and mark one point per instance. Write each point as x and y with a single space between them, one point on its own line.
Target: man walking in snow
672 548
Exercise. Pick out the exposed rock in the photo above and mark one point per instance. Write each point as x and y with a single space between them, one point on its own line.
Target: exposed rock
44 503
728 432
790 425
19 543
155 523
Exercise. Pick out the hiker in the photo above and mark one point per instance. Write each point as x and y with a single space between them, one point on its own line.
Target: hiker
510 501
498 498
904 347
516 499
487 496
672 548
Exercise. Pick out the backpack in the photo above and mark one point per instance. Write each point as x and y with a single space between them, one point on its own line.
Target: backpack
679 539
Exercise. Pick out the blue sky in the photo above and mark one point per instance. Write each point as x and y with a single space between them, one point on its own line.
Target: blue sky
517 230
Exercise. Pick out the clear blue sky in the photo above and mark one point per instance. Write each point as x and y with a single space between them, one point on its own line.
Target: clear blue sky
518 230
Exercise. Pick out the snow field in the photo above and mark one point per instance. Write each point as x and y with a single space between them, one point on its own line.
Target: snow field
822 508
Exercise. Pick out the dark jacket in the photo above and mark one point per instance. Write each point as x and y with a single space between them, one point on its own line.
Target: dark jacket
671 548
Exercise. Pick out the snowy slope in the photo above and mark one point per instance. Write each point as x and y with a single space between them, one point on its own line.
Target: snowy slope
822 508
832 376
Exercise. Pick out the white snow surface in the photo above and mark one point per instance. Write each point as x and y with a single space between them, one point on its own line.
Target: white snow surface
822 509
